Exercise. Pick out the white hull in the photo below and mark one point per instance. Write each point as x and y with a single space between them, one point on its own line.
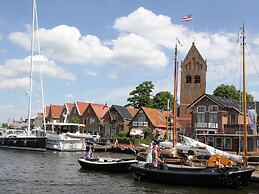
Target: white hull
62 142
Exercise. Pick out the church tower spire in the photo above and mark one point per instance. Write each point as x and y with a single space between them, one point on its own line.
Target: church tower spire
193 80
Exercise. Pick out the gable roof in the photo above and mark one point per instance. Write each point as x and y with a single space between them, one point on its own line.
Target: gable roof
194 50
155 116
99 109
223 102
132 111
69 106
55 111
81 107
123 111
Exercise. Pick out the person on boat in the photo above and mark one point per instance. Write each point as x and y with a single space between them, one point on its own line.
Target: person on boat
89 154
149 153
155 155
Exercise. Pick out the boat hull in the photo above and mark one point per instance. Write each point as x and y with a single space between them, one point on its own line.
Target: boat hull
115 166
24 143
207 177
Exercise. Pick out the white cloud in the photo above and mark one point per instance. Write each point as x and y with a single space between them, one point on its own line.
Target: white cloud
91 73
70 96
113 76
14 67
14 83
66 44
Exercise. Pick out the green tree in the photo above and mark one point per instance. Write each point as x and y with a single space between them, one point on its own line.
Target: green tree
75 119
230 92
161 98
141 96
5 125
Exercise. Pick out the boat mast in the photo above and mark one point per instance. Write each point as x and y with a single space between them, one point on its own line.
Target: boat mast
40 65
244 90
31 67
175 93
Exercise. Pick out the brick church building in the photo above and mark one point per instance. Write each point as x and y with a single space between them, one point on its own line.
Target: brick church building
193 85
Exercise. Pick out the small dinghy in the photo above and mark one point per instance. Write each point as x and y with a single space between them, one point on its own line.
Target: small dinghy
107 164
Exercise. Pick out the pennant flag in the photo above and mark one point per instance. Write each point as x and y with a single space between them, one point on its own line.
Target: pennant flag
252 119
186 18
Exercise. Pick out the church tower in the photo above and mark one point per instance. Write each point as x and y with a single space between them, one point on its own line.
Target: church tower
193 83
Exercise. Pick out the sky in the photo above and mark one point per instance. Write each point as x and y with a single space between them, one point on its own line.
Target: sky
100 50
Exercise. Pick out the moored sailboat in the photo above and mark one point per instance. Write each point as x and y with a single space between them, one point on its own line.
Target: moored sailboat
211 175
29 139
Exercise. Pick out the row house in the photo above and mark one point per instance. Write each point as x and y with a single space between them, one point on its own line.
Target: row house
77 111
53 113
92 117
218 122
151 118
67 109
117 120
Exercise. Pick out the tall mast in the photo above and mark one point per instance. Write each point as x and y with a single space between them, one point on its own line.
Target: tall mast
40 64
244 90
31 66
175 93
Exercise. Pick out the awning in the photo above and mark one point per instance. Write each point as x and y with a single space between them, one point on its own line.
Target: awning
136 132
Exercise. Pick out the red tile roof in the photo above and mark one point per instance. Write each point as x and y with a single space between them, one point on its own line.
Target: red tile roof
69 106
99 109
56 111
81 107
133 111
156 117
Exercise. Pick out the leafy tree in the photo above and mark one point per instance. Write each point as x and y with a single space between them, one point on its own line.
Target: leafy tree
230 92
75 119
160 100
5 125
147 132
141 96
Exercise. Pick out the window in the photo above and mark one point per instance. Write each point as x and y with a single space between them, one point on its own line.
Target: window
233 119
213 108
92 121
227 142
201 109
213 117
197 79
201 139
218 142
141 117
201 117
188 79
211 141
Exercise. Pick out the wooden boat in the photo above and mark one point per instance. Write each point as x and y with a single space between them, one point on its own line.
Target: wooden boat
195 176
107 164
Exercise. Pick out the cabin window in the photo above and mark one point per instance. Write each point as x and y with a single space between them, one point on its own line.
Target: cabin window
201 139
233 119
228 142
201 118
210 141
218 142
74 111
197 79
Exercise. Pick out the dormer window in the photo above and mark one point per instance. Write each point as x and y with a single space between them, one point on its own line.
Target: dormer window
188 79
197 79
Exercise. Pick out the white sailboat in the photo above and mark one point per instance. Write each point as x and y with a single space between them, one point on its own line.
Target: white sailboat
30 139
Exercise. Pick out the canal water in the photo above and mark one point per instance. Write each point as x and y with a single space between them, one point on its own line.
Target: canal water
59 172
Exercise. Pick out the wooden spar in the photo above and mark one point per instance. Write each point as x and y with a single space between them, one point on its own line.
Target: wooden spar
175 94
244 91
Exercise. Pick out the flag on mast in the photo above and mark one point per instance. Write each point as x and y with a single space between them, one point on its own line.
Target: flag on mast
187 18
252 120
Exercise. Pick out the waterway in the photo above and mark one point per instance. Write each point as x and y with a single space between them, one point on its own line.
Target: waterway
59 172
